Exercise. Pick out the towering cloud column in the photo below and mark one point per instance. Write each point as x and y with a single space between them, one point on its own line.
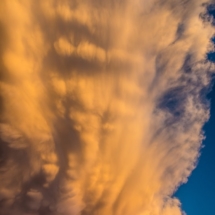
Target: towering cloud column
102 104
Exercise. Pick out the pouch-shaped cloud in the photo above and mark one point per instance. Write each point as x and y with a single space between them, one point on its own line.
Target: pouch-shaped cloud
102 105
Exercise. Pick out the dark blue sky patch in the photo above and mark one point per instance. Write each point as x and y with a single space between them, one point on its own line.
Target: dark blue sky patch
209 14
201 186
211 56
173 101
211 10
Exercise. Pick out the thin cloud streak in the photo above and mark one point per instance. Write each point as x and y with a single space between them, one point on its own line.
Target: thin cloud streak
102 105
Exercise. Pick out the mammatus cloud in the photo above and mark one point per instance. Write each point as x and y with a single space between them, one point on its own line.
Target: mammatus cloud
102 107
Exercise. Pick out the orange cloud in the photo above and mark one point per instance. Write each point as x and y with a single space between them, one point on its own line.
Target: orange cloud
101 105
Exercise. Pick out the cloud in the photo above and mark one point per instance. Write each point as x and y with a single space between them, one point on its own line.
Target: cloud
102 105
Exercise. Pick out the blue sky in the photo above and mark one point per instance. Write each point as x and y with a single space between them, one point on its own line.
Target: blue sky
198 194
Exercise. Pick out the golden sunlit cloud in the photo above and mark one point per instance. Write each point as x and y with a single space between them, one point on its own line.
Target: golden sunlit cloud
102 109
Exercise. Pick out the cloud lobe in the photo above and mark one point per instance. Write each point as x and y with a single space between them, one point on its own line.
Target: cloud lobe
102 108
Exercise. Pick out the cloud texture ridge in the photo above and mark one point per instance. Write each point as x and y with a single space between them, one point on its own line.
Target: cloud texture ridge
102 104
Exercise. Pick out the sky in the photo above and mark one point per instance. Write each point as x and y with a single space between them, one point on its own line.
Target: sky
103 107
198 194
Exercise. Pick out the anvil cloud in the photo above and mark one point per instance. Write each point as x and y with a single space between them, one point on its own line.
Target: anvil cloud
102 104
